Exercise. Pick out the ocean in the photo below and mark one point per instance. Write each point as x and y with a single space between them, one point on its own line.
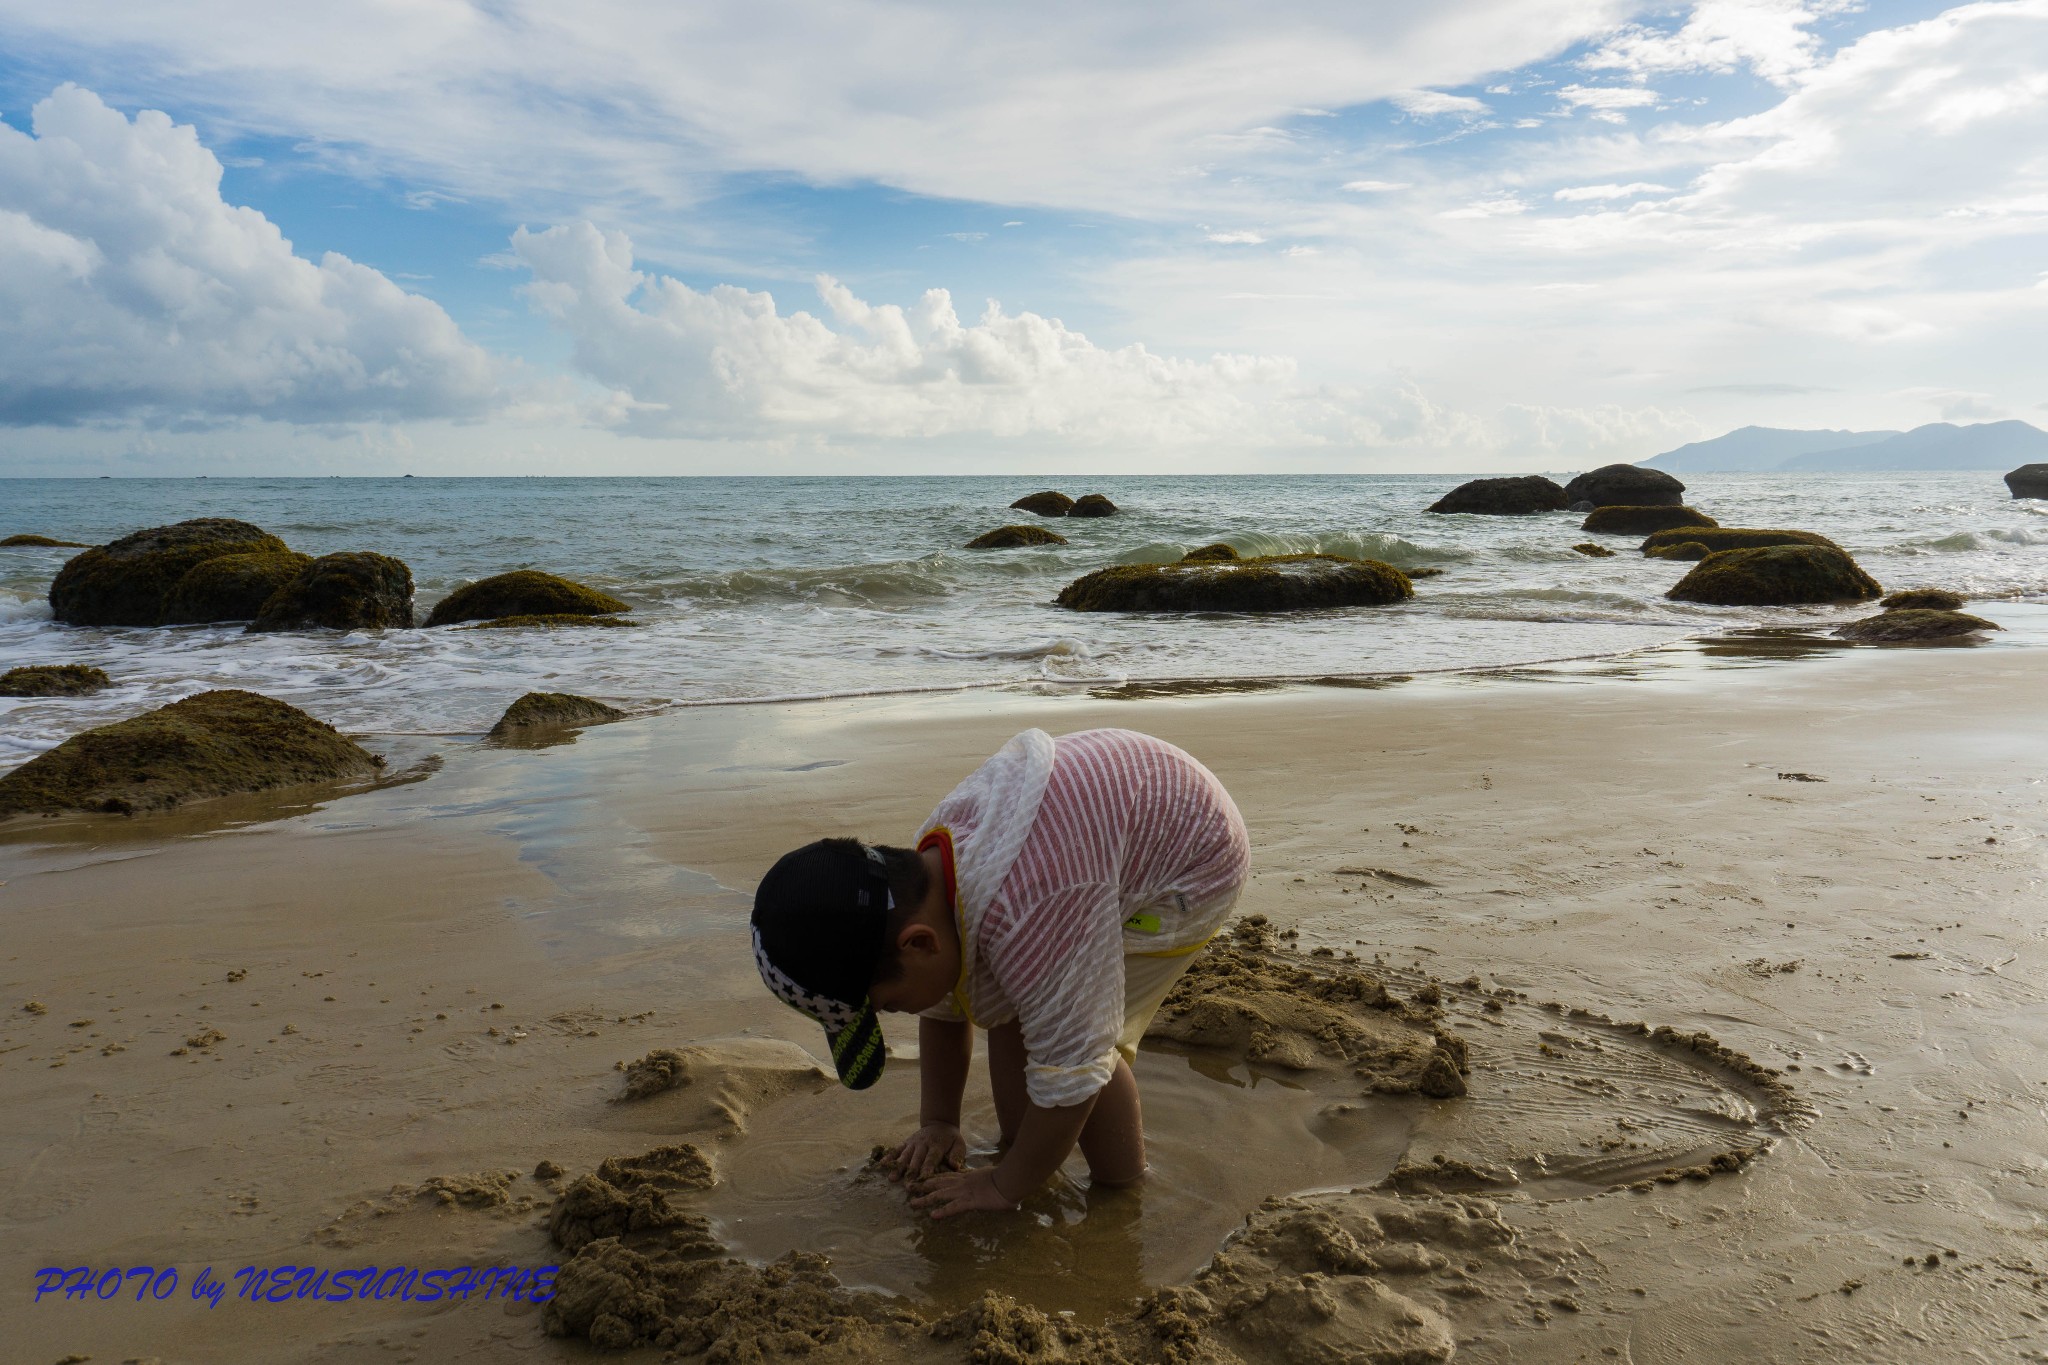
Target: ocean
753 589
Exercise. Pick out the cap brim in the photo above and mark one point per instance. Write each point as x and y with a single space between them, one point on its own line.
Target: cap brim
858 1050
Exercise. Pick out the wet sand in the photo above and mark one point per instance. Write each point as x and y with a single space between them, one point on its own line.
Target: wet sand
1833 866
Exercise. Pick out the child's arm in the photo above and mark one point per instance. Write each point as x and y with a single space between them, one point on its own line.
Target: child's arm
945 1048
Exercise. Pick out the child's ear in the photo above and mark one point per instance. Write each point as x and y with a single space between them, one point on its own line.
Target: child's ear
917 938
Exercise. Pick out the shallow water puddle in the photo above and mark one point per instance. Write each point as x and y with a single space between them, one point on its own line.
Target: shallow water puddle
1222 1138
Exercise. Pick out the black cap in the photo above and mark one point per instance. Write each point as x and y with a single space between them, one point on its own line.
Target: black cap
820 916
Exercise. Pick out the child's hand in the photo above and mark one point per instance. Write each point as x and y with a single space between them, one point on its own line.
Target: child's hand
932 1148
951 1192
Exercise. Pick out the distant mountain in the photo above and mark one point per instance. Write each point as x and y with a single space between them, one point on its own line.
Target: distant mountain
1938 445
1756 448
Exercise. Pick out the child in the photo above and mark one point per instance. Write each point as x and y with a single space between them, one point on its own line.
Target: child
1053 899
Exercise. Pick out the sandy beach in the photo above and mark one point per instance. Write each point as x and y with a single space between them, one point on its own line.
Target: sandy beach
347 1033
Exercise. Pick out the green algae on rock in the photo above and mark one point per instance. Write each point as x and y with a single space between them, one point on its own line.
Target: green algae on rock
1210 554
125 582
231 587
1092 505
1684 549
523 592
1642 521
1521 496
1592 551
1050 503
1625 485
1914 623
1735 538
553 711
551 621
354 590
53 680
1924 599
1775 576
211 744
1263 584
1015 537
31 540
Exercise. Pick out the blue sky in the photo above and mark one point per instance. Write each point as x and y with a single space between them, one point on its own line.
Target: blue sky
1484 234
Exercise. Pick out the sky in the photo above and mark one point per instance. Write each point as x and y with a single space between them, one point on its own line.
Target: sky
849 236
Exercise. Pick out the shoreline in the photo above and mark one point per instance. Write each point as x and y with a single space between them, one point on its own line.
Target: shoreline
582 885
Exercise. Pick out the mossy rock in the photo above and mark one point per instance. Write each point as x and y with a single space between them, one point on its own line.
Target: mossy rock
1924 599
212 744
1522 496
1092 505
553 711
1684 549
1592 551
1015 537
523 592
53 680
1264 584
1735 538
125 582
1914 623
1642 521
1046 504
353 590
231 587
36 541
1775 576
1211 554
552 621
1625 485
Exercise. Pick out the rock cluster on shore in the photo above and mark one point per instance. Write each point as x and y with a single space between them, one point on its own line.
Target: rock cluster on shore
1625 485
1521 496
1642 521
1776 576
211 744
552 711
523 592
2028 481
1903 624
1052 503
1734 538
1015 537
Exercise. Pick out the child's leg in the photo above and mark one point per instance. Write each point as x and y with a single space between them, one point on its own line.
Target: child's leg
1114 1138
1006 1078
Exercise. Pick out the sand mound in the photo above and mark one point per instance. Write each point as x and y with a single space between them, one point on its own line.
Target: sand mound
1245 1001
631 1194
721 1082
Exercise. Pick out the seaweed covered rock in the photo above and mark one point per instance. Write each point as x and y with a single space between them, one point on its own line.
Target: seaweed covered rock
1914 623
1047 504
354 590
1642 521
553 711
1684 549
1625 485
1734 538
1266 583
1775 576
2028 481
1592 551
31 540
523 592
1210 554
211 744
1923 599
1517 497
231 587
1015 537
554 620
53 680
1092 505
125 582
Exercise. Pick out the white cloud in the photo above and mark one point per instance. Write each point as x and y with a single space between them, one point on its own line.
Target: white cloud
129 288
1773 38
966 236
1241 237
1432 103
1376 186
636 109
1607 98
1502 206
1579 193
